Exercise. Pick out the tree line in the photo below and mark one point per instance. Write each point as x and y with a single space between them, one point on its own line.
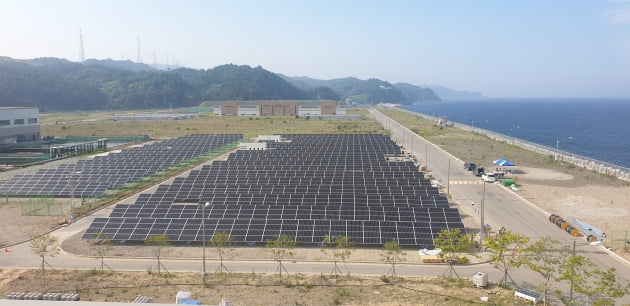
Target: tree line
552 261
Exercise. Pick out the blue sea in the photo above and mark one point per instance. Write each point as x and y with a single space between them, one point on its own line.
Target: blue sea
595 128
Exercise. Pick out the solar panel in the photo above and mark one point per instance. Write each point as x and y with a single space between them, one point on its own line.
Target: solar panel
94 176
306 188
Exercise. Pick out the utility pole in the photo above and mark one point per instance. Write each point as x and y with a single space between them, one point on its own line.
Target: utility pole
448 178
81 49
203 234
139 55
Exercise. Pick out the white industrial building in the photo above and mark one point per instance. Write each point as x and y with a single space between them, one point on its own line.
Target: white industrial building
19 124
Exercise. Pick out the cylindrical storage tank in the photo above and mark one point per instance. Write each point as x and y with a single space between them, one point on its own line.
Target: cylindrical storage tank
559 222
565 225
480 279
591 238
552 218
574 232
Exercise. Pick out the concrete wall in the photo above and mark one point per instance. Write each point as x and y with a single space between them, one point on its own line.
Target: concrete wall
249 110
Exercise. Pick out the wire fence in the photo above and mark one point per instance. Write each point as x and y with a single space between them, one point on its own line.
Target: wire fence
617 240
606 168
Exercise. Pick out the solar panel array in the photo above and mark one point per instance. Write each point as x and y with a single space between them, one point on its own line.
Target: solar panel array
94 176
310 187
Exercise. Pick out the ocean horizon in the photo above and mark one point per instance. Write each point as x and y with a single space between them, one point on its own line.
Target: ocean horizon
598 128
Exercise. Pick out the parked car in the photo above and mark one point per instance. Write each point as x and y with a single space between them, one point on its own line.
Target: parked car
470 166
489 177
479 172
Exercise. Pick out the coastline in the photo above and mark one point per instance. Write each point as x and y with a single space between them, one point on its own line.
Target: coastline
555 186
602 167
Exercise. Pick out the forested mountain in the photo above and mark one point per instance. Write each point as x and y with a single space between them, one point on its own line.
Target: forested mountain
32 85
125 65
368 91
415 93
232 82
452 94
54 84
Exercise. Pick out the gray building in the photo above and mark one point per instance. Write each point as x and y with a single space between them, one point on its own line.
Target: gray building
19 124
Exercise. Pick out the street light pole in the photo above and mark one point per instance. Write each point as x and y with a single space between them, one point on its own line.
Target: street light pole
426 155
203 234
483 226
571 292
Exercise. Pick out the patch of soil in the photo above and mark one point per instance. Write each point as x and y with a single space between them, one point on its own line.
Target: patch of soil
257 289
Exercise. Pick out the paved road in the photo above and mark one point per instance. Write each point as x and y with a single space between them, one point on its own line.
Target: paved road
502 206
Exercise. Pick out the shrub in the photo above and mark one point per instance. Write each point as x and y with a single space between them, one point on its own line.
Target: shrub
385 279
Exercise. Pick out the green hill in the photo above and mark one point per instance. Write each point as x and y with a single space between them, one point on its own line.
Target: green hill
55 84
369 91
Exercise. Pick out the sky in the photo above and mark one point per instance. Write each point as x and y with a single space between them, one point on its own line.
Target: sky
517 48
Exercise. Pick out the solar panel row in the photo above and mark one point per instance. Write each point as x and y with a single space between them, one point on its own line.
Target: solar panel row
331 212
93 176
306 187
252 230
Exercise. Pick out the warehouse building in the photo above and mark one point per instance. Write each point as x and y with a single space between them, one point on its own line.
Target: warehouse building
279 108
19 124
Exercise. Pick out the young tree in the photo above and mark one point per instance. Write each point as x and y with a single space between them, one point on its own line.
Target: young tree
452 241
392 253
221 245
101 244
44 245
508 248
544 258
157 242
585 277
281 248
608 287
339 248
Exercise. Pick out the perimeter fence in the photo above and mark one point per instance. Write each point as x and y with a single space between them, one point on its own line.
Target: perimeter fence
606 168
617 240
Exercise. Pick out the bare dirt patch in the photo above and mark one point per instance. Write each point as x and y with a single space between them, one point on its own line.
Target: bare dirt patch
17 228
257 289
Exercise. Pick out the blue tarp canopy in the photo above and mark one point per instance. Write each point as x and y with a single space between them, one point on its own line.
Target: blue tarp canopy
504 163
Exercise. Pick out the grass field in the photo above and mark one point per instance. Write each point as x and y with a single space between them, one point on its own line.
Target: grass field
60 125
